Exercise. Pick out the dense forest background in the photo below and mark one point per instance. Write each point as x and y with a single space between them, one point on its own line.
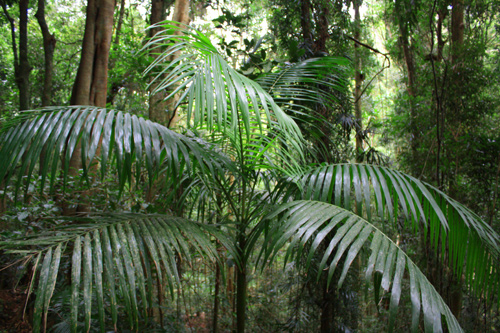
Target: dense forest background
410 85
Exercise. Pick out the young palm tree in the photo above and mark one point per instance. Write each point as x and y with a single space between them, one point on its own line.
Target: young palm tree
254 169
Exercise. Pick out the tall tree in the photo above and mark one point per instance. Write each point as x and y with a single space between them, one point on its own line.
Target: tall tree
161 109
22 68
49 44
91 81
358 79
157 105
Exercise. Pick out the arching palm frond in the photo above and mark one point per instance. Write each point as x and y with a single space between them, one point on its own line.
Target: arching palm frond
313 81
215 93
473 246
121 259
469 245
344 234
48 139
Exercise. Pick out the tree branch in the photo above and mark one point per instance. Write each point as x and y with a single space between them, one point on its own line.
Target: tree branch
386 56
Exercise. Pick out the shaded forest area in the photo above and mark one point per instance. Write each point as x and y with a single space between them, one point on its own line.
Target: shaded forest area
258 166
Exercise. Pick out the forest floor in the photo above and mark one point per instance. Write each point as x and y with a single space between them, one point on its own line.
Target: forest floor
11 312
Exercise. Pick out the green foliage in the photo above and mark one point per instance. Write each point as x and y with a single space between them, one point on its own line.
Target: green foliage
247 189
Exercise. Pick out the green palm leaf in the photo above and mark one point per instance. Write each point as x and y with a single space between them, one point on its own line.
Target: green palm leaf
129 248
125 141
296 86
215 93
472 245
344 234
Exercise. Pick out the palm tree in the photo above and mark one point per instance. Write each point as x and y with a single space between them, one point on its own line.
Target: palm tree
248 165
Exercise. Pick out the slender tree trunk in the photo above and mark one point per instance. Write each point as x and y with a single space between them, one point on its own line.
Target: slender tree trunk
411 88
157 104
457 87
305 20
116 85
22 67
161 110
241 298
49 44
358 82
241 282
104 29
215 317
442 13
327 310
457 29
120 22
81 87
322 13
454 295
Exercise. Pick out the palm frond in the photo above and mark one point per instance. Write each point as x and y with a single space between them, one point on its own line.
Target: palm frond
312 81
215 93
344 234
48 139
128 255
471 245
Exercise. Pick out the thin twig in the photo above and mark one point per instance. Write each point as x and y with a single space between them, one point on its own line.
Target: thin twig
386 56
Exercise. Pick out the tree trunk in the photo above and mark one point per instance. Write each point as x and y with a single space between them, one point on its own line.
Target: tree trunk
241 297
409 59
241 282
305 21
457 29
454 292
120 22
22 67
327 309
457 86
116 85
91 81
215 317
157 104
49 44
322 13
358 82
442 13
161 110
90 87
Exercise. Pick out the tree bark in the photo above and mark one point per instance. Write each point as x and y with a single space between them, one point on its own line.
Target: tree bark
442 13
322 13
409 59
22 68
215 317
116 85
161 110
327 310
120 22
157 104
91 81
457 29
358 81
241 290
90 87
49 44
454 295
305 20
